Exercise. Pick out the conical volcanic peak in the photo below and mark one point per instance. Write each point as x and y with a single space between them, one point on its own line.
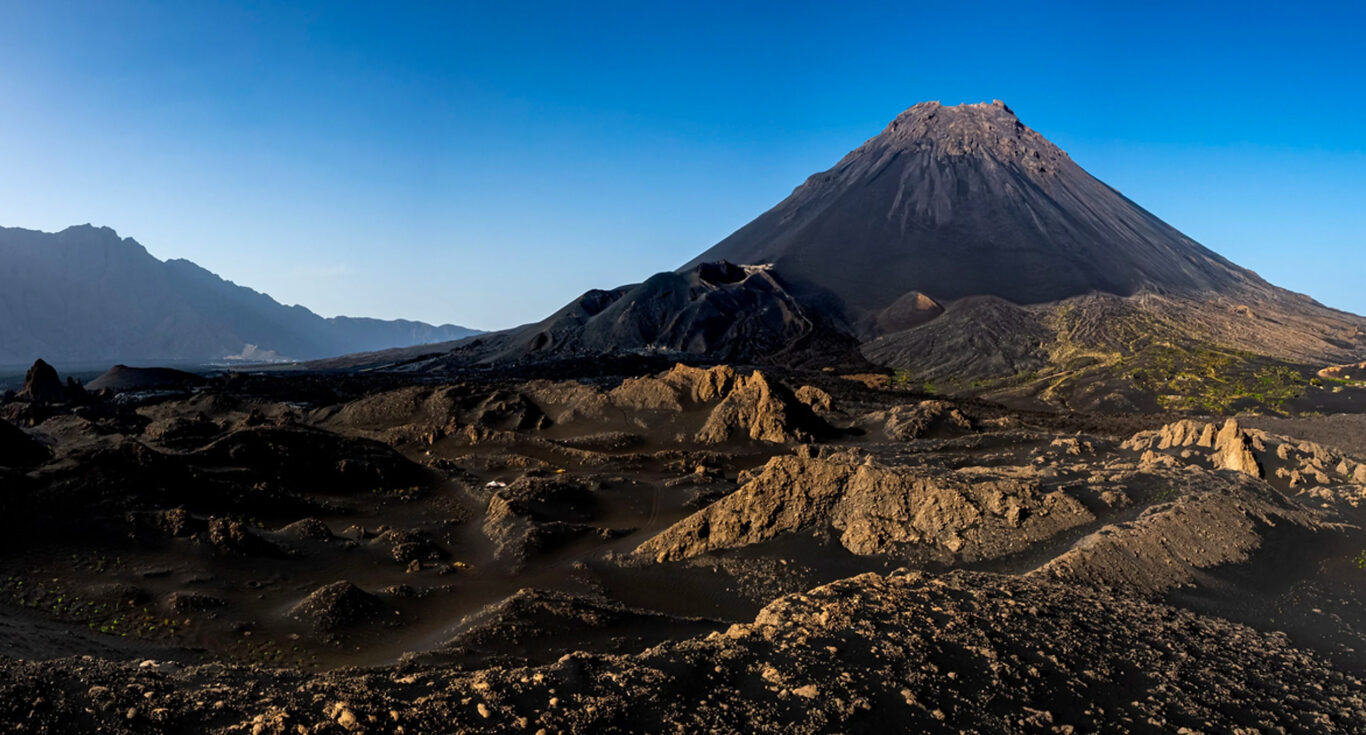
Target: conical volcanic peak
967 201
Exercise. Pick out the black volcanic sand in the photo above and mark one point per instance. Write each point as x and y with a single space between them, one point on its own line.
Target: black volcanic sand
690 549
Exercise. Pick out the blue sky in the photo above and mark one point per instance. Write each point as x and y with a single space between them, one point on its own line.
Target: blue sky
485 163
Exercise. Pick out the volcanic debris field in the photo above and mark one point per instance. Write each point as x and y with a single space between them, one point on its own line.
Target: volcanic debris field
678 549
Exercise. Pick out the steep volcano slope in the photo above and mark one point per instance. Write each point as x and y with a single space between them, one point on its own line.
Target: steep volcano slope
964 201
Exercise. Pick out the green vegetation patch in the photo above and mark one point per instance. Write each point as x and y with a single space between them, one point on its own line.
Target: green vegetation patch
1215 381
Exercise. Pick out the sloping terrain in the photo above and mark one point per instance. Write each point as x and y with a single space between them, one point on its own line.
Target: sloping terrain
960 652
84 295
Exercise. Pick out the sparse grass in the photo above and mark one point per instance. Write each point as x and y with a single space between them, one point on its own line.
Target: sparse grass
1167 493
400 493
110 618
1216 381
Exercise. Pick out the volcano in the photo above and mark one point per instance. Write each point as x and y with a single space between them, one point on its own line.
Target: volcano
967 201
963 249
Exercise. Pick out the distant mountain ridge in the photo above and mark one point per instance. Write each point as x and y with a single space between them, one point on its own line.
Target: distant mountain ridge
86 294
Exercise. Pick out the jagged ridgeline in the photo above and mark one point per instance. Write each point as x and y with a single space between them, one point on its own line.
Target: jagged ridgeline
965 250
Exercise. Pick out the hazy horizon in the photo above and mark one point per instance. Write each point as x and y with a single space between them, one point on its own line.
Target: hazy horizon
483 167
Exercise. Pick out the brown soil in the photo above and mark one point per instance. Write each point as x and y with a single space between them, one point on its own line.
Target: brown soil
691 548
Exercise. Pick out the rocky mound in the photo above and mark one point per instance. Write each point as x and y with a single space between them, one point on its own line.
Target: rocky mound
123 378
1356 372
916 421
876 508
717 311
703 405
537 514
429 414
965 651
339 605
42 384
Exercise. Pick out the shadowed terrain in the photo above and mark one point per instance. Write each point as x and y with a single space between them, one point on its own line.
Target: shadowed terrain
745 550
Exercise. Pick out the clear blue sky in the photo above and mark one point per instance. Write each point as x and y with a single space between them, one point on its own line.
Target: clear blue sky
483 163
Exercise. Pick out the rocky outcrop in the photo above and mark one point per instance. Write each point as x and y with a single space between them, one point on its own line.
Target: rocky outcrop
233 537
815 399
691 404
410 548
704 405
915 421
307 529
42 385
876 508
1233 450
429 414
760 409
1284 462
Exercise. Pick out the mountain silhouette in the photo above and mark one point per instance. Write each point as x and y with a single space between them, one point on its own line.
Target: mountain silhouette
85 294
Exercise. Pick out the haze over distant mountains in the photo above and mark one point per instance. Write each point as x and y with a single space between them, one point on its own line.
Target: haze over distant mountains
85 294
